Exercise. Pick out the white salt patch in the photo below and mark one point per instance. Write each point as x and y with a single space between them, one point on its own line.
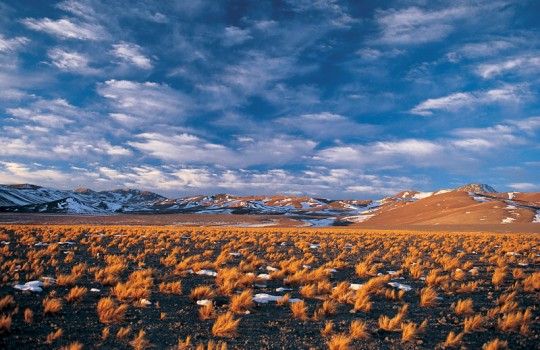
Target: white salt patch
256 285
513 254
145 302
264 298
235 254
283 289
536 218
49 279
270 268
4 242
264 276
306 266
204 302
41 244
207 273
95 290
401 286
355 286
523 264
68 242
314 246
392 272
32 286
331 270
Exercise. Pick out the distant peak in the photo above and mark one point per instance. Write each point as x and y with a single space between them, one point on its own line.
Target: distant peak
477 188
24 186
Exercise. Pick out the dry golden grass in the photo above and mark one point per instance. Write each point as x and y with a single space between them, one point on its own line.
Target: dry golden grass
51 337
453 339
202 293
76 294
73 346
516 321
393 324
428 297
362 301
328 308
207 312
473 323
105 333
5 324
242 303
299 310
532 283
109 312
171 288
7 302
123 332
496 344
499 276
52 306
328 329
225 326
28 316
66 280
140 342
358 330
339 342
464 307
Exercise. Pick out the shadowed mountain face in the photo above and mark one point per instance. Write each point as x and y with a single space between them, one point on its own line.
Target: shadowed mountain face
471 204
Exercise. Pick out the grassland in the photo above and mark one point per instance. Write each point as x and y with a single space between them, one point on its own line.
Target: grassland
266 288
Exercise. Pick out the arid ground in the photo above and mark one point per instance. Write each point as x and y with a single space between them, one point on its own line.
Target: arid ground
170 287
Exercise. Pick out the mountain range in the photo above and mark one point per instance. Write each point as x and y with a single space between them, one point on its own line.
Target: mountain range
471 204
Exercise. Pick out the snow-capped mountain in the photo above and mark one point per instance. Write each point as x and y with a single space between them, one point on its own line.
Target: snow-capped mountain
471 204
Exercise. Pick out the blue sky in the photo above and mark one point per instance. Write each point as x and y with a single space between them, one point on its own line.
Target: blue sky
343 99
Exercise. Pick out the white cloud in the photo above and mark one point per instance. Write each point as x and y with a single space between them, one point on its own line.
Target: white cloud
13 44
416 26
190 149
145 103
484 49
67 29
524 186
70 61
461 100
235 36
132 54
520 64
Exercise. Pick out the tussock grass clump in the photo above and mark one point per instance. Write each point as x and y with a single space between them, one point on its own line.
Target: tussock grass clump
516 321
410 331
473 323
28 316
339 341
171 288
242 303
123 332
225 326
76 294
358 330
299 310
428 297
140 342
109 312
496 344
202 293
453 339
5 324
464 307
393 324
73 346
7 302
207 312
328 329
52 306
51 337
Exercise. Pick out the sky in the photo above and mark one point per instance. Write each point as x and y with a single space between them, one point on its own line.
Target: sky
341 99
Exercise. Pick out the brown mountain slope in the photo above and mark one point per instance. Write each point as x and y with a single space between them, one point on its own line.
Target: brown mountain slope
454 207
